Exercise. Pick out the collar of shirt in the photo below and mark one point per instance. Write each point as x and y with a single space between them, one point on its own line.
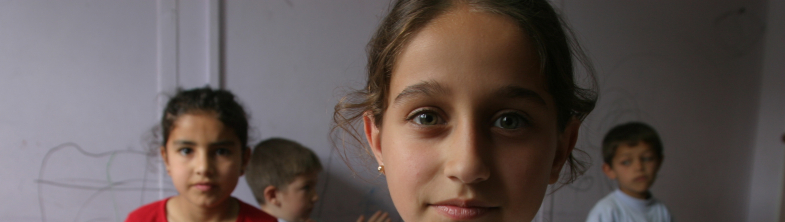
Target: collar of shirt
638 204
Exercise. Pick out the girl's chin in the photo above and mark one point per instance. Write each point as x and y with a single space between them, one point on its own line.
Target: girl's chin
209 202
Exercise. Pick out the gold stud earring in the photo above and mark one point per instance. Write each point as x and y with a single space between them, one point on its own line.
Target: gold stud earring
381 169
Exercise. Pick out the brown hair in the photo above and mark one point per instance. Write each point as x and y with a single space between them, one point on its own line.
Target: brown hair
222 102
630 134
277 162
552 39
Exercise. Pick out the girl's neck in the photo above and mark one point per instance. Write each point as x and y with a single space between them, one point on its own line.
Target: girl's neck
180 209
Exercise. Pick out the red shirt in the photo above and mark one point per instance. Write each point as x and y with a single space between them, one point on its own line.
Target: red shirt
156 212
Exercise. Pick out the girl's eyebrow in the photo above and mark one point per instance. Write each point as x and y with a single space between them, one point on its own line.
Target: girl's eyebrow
426 88
184 142
191 143
520 92
223 143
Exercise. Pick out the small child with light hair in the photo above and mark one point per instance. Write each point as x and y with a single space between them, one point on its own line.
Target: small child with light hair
282 175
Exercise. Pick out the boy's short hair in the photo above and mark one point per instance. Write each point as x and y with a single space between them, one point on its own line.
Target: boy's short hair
630 134
278 162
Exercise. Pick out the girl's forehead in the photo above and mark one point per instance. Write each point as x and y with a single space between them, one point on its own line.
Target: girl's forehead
201 126
475 31
469 48
197 118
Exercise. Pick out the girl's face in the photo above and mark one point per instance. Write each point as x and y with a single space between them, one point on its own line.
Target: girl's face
470 132
204 159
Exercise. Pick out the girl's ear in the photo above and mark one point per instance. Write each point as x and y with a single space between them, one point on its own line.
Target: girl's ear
165 158
373 137
566 144
246 158
271 195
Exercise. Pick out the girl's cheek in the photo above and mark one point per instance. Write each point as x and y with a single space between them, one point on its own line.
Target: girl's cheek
420 164
527 162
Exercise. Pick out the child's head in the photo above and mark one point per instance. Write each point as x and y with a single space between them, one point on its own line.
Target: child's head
632 153
220 102
204 137
471 107
282 175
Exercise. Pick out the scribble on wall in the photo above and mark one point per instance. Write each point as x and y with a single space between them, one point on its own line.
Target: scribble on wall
97 186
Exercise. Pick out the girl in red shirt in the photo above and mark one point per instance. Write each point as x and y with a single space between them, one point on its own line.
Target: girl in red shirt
205 132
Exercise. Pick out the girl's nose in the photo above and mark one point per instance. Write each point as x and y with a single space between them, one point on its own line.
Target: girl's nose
466 148
203 164
315 198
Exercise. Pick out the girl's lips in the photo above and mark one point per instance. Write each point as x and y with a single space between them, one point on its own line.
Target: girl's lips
461 213
462 209
203 186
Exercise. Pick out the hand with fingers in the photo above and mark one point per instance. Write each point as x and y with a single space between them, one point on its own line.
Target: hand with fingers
379 216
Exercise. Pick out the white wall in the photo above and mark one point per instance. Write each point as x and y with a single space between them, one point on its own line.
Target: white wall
82 83
80 72
766 188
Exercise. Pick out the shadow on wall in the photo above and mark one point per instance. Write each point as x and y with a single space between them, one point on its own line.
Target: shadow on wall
341 200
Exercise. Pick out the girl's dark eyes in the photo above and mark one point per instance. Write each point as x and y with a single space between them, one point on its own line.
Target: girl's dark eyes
219 151
426 118
510 121
222 151
185 151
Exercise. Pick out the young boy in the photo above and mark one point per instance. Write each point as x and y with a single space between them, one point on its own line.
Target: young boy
282 175
632 154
